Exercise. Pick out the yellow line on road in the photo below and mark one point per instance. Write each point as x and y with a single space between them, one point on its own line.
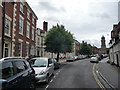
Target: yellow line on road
96 78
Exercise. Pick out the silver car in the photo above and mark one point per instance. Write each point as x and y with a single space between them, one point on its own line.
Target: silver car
44 68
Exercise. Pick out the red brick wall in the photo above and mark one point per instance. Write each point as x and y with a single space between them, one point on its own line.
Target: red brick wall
0 31
9 12
23 37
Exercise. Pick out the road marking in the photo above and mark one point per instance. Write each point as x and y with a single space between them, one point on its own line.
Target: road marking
59 71
46 87
56 73
54 77
96 78
51 80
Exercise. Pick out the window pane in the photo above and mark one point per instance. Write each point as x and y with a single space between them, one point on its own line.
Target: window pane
21 25
21 7
6 70
7 26
20 66
20 48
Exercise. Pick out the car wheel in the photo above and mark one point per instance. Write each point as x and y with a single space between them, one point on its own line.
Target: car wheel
32 86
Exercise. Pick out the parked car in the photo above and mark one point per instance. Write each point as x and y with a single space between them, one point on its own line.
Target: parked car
56 64
76 57
16 73
70 58
94 60
44 68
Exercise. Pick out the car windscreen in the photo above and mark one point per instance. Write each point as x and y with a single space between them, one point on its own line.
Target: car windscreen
6 70
38 62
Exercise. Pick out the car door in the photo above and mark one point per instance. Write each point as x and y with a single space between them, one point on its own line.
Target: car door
51 66
21 74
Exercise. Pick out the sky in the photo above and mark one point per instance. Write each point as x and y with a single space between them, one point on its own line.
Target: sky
87 20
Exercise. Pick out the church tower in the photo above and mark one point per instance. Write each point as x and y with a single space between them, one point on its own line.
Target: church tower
103 45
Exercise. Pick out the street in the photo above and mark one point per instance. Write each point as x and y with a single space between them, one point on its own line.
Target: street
76 74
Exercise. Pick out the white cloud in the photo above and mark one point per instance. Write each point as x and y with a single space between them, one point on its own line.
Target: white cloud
87 20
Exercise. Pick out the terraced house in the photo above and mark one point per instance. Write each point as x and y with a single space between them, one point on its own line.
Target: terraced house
115 44
0 28
20 29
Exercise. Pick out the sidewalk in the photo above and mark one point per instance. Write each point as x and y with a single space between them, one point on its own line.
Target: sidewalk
110 72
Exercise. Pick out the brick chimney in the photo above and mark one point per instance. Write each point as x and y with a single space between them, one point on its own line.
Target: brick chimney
45 26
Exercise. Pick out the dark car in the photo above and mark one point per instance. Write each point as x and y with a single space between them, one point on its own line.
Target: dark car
56 64
16 73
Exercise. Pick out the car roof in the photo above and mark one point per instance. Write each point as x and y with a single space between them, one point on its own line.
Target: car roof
9 58
40 58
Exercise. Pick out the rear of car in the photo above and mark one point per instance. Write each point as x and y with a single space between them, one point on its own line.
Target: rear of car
44 68
70 58
94 60
16 73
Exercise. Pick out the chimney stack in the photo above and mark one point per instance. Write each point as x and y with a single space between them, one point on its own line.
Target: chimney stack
45 26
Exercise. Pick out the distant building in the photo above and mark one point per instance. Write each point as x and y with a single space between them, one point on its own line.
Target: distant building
41 40
77 48
0 29
115 45
38 42
102 50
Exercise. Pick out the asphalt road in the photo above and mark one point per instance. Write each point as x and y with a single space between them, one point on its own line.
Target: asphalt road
76 74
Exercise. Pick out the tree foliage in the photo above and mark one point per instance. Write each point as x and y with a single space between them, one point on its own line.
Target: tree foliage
85 49
59 40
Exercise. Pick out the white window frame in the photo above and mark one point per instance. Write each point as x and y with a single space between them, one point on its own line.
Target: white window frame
28 30
0 3
38 41
7 47
32 48
28 14
8 22
27 49
21 24
33 19
33 34
22 7
20 53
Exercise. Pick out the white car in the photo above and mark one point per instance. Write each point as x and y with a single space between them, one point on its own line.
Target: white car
44 68
94 60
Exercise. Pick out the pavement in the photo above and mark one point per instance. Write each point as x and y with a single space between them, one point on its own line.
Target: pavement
110 73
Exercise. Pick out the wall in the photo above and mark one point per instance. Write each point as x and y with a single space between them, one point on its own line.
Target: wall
0 29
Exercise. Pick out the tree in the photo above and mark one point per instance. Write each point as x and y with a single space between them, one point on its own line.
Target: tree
85 49
58 40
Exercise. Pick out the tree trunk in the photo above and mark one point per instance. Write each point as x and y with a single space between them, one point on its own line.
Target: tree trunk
58 57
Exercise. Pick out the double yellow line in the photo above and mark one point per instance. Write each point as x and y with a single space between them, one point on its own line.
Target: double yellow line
96 78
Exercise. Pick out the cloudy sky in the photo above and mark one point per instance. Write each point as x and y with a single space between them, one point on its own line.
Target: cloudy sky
88 20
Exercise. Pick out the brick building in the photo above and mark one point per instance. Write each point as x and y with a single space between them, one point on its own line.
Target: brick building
0 29
20 29
8 27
